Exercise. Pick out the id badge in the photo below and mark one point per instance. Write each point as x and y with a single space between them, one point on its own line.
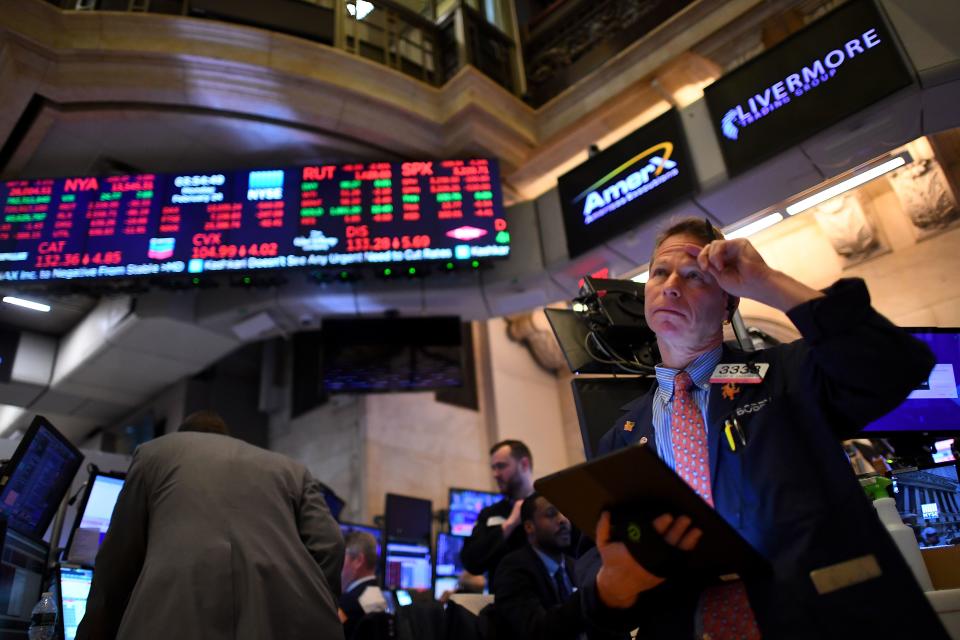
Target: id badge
739 373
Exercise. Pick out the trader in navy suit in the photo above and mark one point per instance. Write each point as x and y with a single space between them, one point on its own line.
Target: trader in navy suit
535 598
765 426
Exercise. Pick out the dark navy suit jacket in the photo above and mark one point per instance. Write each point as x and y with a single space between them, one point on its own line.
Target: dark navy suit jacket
791 492
527 603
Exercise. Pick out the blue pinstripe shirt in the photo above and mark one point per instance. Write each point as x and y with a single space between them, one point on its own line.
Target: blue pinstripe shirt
699 370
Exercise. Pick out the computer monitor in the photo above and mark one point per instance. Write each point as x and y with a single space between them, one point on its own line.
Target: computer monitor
22 568
928 500
408 518
72 588
465 506
37 477
934 405
448 567
347 527
407 566
600 402
943 451
93 516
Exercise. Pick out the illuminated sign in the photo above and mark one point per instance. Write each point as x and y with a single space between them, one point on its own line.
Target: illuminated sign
601 200
314 216
631 181
830 70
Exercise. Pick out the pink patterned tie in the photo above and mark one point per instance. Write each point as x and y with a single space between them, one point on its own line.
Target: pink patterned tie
725 608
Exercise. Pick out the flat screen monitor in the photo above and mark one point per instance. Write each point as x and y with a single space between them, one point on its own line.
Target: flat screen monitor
22 569
408 518
72 587
833 68
443 584
943 451
449 547
347 527
465 506
37 477
627 184
93 516
934 405
928 500
313 217
407 566
392 354
600 403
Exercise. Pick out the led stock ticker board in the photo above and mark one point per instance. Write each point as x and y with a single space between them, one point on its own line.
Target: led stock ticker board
837 66
314 216
627 183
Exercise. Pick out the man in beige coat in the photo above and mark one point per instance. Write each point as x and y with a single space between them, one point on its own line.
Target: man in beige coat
214 538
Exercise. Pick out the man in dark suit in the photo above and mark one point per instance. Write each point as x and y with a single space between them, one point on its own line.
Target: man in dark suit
215 538
361 593
757 436
535 598
497 531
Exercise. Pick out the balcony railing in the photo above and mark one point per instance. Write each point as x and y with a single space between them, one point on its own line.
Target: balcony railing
400 34
572 39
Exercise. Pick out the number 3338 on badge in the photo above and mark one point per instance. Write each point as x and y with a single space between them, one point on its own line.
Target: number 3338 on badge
739 373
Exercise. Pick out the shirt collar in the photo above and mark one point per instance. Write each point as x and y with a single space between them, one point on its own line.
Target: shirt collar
548 562
699 370
356 583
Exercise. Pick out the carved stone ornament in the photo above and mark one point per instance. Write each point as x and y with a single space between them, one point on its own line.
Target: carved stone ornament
538 340
925 195
845 224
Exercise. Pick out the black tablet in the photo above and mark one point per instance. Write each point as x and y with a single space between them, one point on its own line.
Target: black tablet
637 486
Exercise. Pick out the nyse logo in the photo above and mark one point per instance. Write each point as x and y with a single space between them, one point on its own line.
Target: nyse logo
617 188
795 85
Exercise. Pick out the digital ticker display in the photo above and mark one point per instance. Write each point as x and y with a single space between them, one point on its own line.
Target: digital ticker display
312 216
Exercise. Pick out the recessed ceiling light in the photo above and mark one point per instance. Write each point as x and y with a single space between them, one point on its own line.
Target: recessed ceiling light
846 185
27 304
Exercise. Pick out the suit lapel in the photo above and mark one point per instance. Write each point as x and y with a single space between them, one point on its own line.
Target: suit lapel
638 428
715 417
717 411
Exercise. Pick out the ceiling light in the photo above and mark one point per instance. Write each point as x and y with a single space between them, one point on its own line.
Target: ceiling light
642 277
846 185
360 10
29 304
755 227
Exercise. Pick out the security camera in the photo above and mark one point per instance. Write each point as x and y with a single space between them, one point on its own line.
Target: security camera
307 320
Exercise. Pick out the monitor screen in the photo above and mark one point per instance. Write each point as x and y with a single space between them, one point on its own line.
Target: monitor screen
442 585
448 555
319 216
943 451
929 502
408 518
838 65
22 570
74 587
392 354
347 527
408 566
93 517
934 405
37 477
465 506
626 184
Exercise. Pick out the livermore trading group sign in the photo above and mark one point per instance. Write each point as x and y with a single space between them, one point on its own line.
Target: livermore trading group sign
631 181
830 70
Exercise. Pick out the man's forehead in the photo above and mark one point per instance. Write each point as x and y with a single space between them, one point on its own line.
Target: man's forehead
679 246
